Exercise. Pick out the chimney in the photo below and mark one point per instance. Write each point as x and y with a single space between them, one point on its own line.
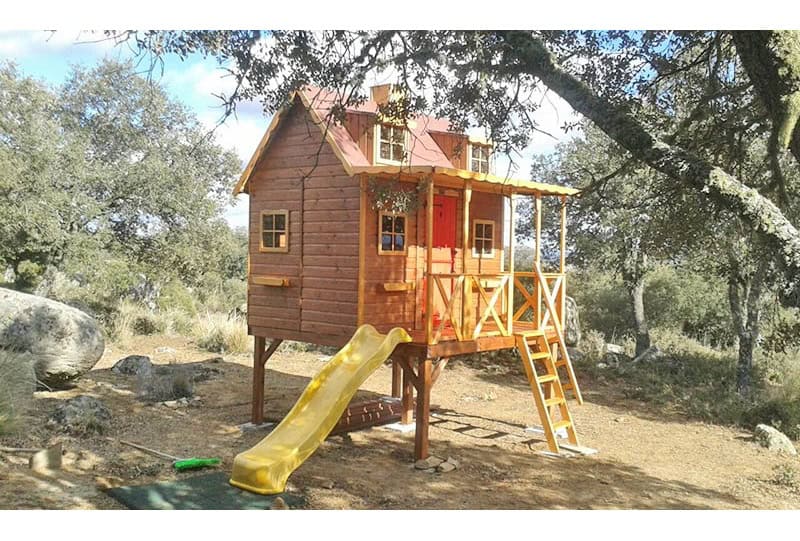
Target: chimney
382 94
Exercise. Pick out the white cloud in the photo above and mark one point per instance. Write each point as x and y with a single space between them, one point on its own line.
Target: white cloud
19 44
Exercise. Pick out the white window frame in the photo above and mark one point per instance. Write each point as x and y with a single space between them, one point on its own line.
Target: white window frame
488 150
481 255
377 147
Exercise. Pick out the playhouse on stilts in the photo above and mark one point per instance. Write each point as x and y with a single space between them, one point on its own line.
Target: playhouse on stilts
372 221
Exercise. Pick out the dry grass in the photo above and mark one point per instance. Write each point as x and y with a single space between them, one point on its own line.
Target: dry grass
221 333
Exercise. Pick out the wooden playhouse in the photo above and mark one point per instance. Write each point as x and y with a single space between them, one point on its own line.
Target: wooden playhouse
373 221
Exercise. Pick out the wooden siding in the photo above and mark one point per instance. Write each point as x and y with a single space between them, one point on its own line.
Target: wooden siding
300 173
454 146
360 126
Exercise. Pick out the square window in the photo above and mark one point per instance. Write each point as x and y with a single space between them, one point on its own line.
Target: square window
392 233
483 238
274 231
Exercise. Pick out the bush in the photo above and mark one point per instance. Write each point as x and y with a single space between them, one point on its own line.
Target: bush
220 333
17 384
166 383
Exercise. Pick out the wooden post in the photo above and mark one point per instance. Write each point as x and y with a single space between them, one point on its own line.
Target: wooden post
468 308
562 264
257 415
396 375
260 358
429 264
423 409
537 260
407 400
510 285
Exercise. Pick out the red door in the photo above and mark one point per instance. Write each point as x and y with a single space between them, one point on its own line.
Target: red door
444 247
444 234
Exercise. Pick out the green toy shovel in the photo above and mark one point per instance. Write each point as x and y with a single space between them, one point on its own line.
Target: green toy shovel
180 464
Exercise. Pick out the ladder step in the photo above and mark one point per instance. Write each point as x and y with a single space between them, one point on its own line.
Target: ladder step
531 333
555 401
547 378
567 386
559 364
539 355
561 424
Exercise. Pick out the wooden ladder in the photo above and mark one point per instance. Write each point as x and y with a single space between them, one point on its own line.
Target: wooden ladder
561 359
548 392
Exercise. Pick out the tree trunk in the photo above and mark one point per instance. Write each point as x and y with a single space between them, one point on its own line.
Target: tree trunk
744 295
634 269
529 55
640 322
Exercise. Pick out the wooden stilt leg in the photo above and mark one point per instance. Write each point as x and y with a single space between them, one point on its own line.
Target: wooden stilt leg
408 398
396 379
259 360
423 409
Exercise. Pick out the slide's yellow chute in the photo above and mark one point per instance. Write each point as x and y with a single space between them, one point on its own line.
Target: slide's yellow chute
265 468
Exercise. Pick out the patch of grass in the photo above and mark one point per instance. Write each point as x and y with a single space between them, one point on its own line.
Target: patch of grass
786 476
220 333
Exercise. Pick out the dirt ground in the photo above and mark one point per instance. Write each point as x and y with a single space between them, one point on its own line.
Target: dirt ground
647 459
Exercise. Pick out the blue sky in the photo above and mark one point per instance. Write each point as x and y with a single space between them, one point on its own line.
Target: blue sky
49 56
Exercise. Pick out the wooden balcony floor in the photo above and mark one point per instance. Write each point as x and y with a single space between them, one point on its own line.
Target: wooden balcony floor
490 340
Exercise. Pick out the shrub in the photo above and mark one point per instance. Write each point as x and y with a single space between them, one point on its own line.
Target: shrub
17 384
220 333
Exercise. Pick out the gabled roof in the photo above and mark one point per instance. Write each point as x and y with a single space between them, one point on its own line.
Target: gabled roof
424 156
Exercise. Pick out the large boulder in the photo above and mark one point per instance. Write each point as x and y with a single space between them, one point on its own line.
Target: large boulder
65 343
572 325
774 440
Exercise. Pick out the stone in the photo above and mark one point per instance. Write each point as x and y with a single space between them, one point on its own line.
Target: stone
64 342
81 415
428 463
133 365
278 504
46 459
453 461
615 349
327 484
445 467
164 350
619 420
774 440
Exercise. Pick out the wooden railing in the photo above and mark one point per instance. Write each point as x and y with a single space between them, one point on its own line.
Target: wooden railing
468 306
533 287
464 303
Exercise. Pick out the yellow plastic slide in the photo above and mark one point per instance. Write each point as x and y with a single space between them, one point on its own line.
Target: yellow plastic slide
265 468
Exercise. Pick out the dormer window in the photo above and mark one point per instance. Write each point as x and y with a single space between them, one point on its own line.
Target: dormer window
479 158
391 143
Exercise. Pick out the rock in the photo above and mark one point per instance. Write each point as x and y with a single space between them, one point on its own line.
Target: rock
453 461
615 349
65 343
572 325
46 459
165 350
133 365
165 383
327 484
81 415
206 373
428 463
774 440
445 467
619 420
278 504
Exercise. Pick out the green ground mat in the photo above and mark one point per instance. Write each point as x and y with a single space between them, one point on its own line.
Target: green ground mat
200 492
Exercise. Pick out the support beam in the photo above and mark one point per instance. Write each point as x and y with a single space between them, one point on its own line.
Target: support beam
397 372
510 285
423 410
537 259
260 358
468 308
429 263
407 399
563 240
